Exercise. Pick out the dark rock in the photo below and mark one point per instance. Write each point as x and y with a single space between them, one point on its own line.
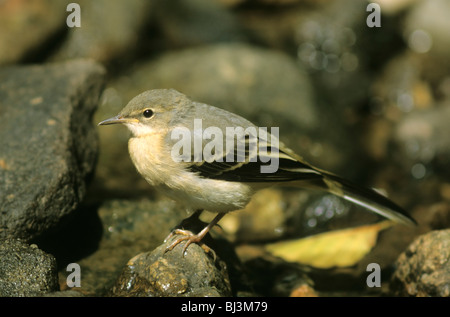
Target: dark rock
48 146
146 222
26 270
330 43
26 27
69 293
253 82
102 238
109 30
424 268
193 22
437 216
171 274
271 276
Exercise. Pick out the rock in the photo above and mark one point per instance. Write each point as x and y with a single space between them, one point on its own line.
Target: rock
424 268
254 82
193 22
171 274
48 146
69 293
271 276
335 46
144 222
27 27
437 216
102 236
109 28
26 270
102 239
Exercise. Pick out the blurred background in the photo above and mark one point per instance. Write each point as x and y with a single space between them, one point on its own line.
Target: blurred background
371 104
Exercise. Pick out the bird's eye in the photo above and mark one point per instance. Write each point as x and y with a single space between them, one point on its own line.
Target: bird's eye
148 113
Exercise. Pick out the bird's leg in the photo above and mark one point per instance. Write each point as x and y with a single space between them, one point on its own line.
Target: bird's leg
189 237
194 217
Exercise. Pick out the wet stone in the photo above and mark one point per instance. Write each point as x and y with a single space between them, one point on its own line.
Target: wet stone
160 273
27 29
48 144
25 270
102 239
108 29
207 22
424 268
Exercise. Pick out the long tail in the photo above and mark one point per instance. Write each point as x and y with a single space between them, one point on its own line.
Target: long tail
365 197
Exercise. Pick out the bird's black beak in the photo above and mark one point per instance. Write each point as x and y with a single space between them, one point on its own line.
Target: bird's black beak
117 119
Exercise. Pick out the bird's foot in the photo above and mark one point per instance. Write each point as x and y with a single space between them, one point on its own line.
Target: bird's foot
190 238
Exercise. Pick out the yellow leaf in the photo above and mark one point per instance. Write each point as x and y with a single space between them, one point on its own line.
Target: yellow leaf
339 248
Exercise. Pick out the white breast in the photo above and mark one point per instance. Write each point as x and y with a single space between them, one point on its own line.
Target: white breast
153 161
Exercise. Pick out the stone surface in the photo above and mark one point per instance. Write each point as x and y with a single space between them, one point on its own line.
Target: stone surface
424 268
25 270
271 276
171 274
102 236
256 83
194 22
109 28
48 145
29 27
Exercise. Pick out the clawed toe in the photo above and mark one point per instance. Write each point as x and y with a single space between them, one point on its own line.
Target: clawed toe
175 232
190 238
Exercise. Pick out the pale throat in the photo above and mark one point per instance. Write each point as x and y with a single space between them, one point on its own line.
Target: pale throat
140 130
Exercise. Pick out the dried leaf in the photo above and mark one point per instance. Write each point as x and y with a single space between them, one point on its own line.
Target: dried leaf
339 248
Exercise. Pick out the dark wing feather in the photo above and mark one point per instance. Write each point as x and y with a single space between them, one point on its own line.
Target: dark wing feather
289 169
292 169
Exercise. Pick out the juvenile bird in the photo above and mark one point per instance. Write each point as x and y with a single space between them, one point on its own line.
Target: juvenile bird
211 159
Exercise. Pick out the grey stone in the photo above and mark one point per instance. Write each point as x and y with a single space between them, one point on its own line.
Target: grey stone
26 28
48 145
424 268
254 82
171 274
193 22
110 29
25 270
101 239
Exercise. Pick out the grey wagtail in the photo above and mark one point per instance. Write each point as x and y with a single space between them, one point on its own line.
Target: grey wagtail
221 174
